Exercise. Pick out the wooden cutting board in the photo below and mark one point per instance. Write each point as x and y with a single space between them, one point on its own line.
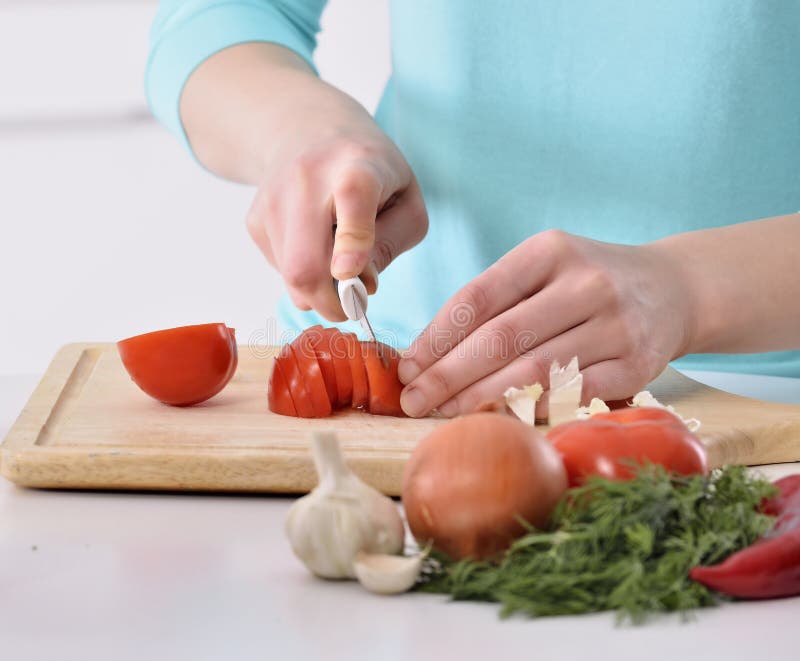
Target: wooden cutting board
88 426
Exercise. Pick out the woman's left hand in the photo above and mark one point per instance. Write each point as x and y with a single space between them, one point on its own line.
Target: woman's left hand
625 311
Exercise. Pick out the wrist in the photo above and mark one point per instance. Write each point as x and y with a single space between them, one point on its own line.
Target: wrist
697 289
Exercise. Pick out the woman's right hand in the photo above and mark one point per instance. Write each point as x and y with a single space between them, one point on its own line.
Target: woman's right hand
334 166
258 114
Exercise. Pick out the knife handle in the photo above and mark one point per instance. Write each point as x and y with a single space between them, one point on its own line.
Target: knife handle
353 295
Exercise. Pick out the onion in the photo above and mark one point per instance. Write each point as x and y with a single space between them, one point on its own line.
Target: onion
467 483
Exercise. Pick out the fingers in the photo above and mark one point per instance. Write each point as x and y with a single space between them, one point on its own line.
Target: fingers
534 367
495 344
306 245
257 231
516 276
356 199
399 227
291 222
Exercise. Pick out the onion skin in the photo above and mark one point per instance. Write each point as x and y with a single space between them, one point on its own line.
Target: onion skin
468 481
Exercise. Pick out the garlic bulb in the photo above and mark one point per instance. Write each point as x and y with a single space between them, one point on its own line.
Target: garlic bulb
341 516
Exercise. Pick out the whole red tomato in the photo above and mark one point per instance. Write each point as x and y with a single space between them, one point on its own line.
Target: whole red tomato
181 366
611 445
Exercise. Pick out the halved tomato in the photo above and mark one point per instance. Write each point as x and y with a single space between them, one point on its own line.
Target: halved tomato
384 386
181 366
279 396
307 363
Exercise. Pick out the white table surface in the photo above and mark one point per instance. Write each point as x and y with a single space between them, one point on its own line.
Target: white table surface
113 576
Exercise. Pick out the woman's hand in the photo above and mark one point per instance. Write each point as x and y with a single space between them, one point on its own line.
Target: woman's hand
256 113
623 310
334 166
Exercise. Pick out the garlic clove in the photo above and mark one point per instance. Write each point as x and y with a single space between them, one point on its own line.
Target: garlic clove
566 386
645 399
522 402
597 405
387 574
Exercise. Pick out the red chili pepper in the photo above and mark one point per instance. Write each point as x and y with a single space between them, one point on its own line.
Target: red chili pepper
611 444
770 567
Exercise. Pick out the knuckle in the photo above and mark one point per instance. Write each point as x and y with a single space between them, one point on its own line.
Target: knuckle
634 375
300 277
356 151
502 339
355 182
385 252
535 367
358 235
419 222
555 240
439 384
302 169
600 281
476 297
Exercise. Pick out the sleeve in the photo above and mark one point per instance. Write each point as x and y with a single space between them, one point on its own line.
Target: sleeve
187 32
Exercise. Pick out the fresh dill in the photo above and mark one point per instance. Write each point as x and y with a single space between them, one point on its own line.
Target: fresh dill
624 546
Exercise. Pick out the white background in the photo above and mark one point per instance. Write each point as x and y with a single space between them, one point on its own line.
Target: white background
107 227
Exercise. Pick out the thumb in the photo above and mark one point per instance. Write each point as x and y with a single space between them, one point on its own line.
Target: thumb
356 199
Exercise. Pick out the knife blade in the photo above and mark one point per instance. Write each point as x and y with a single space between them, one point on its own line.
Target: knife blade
353 296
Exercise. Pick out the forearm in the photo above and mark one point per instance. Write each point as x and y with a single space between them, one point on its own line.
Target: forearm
744 284
239 104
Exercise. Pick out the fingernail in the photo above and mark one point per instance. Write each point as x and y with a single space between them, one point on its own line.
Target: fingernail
345 265
412 401
407 371
448 409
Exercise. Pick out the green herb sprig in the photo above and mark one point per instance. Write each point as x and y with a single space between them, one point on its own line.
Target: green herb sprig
624 546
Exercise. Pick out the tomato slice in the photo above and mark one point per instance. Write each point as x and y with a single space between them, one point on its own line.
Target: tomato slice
360 398
181 366
307 363
322 349
278 396
295 382
384 386
341 364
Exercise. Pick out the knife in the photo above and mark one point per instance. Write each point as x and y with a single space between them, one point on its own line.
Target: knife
353 296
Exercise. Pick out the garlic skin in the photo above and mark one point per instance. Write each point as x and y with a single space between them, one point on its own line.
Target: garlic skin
522 402
341 516
645 399
566 386
597 405
388 574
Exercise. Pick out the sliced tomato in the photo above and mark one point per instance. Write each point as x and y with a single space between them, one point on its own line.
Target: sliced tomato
322 349
279 396
360 398
307 363
341 363
295 382
384 386
181 366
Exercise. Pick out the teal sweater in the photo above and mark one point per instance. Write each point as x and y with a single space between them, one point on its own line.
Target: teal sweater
621 120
